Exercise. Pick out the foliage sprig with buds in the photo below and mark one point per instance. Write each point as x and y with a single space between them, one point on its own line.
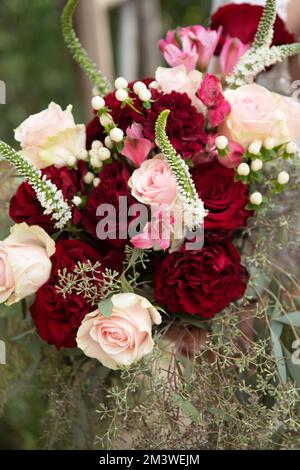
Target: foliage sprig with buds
50 198
193 206
79 53
261 55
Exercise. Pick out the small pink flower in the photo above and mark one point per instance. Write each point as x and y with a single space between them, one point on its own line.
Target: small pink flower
137 147
234 157
164 231
153 183
206 41
231 53
179 54
211 95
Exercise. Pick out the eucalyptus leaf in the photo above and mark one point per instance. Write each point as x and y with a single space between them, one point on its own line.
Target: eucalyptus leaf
292 318
105 306
276 330
294 369
188 408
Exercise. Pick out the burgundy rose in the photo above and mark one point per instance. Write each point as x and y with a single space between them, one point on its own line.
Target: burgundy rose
241 21
25 207
114 183
201 282
58 319
123 117
224 198
185 126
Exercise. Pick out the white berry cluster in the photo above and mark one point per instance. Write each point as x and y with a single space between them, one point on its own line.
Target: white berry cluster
115 134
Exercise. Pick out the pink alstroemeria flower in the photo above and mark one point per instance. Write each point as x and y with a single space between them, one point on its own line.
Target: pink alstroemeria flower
179 54
137 147
206 41
231 53
159 233
211 95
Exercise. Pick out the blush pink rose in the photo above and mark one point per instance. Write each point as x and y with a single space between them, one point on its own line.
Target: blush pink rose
24 262
257 114
180 80
153 183
123 338
51 136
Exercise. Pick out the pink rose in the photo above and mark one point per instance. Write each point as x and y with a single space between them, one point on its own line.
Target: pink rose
51 137
153 183
231 53
137 147
180 80
122 338
256 114
24 262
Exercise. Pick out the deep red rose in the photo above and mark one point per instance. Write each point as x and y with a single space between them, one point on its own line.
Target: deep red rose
211 95
185 127
224 198
201 282
25 207
123 117
58 319
114 183
241 21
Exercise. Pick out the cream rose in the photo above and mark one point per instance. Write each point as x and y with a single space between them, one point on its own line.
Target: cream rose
256 114
153 183
51 137
24 262
124 337
180 80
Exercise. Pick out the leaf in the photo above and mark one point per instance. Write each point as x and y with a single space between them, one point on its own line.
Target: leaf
187 408
276 330
105 306
289 319
294 369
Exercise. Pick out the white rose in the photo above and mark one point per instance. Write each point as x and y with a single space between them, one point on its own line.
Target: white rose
51 137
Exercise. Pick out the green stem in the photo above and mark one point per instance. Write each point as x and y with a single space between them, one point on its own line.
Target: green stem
78 52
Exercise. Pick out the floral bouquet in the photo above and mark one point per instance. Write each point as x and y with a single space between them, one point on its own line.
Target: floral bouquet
130 230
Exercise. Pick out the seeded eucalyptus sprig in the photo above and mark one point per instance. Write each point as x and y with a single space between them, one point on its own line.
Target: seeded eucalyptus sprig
50 198
78 52
192 204
261 55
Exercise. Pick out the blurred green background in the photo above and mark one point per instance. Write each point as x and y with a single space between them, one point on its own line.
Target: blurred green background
37 69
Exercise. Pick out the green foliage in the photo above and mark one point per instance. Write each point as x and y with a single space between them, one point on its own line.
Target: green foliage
34 64
78 52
